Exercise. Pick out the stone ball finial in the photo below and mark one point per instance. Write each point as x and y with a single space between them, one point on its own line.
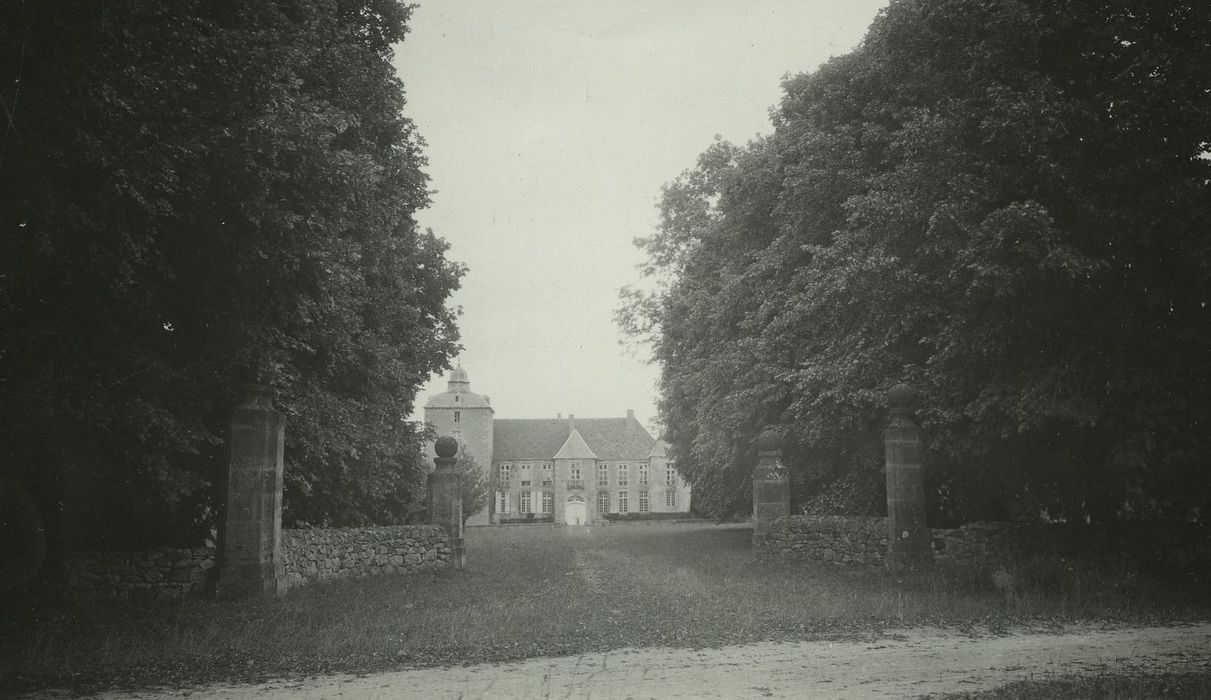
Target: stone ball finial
901 398
770 440
446 447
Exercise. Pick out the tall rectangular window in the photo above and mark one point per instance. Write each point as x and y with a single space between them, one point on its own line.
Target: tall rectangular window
525 475
546 476
643 501
574 471
670 476
505 472
524 505
622 474
548 501
622 501
643 475
502 503
603 502
603 475
670 498
456 416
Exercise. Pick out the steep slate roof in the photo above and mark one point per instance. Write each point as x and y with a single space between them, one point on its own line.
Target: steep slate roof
611 439
616 438
525 438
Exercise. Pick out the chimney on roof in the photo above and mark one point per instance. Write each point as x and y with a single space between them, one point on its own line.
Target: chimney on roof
571 422
559 416
631 414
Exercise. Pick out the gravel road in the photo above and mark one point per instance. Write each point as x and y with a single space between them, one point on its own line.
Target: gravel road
907 663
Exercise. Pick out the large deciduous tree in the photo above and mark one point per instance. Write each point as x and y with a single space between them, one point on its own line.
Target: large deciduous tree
1004 204
197 194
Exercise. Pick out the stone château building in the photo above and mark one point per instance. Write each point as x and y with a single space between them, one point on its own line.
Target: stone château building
563 470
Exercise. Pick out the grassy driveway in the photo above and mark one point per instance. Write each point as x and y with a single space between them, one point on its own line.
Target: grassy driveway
533 591
645 584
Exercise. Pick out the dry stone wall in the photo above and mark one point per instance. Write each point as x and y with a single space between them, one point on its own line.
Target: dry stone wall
322 554
1159 545
843 540
982 544
164 573
313 554
858 541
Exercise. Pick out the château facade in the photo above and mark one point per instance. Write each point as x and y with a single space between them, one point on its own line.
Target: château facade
562 470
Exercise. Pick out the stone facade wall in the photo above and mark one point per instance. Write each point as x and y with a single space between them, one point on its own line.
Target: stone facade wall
165 573
863 542
835 539
561 487
322 554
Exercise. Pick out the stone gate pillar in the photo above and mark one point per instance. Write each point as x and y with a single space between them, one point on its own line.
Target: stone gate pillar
446 498
908 539
250 556
771 485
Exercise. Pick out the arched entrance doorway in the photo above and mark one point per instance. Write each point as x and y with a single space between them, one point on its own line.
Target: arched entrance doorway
576 512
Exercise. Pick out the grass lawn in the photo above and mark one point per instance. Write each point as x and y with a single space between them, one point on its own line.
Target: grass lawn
537 590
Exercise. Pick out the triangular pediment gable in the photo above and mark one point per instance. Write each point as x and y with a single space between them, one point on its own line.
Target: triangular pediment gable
575 448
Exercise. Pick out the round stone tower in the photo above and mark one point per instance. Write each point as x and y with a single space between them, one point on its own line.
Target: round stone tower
467 417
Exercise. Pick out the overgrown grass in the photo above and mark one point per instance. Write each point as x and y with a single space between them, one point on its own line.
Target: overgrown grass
548 591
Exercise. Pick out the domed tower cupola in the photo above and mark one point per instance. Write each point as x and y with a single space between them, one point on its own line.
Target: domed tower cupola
458 394
459 384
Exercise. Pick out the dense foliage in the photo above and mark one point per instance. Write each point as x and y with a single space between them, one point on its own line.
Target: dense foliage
193 195
1004 204
474 484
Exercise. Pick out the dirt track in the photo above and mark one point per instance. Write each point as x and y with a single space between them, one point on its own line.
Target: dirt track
905 664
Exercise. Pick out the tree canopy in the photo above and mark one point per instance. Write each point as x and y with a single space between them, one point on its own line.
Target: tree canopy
194 195
1005 205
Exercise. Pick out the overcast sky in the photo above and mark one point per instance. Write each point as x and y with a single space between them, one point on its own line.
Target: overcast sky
551 126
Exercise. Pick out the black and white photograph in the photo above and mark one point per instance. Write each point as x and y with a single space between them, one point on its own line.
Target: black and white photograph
448 349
